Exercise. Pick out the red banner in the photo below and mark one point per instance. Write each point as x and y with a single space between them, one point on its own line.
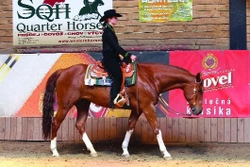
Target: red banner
226 82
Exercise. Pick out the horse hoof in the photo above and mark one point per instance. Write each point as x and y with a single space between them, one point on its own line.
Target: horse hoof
125 155
55 155
94 155
168 158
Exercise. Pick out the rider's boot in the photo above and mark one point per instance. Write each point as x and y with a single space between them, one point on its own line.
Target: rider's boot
120 100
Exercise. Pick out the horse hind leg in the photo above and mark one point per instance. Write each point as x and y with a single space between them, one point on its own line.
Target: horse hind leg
125 143
130 129
82 108
57 120
53 147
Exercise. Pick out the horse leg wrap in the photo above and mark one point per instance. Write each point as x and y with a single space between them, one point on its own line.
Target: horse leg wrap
89 145
126 142
53 148
162 147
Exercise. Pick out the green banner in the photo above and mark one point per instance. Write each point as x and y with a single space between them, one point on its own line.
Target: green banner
165 10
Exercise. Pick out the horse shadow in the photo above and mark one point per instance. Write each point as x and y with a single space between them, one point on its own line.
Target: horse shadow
112 149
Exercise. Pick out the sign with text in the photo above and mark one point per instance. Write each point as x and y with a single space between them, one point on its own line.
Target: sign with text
165 10
225 79
57 22
225 75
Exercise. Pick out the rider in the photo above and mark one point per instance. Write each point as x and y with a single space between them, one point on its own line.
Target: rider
87 5
111 51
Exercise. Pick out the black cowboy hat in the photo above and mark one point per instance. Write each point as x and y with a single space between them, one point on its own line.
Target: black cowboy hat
110 13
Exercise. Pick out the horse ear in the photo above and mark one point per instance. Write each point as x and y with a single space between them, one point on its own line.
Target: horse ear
198 78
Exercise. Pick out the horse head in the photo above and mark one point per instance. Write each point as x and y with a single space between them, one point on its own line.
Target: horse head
193 93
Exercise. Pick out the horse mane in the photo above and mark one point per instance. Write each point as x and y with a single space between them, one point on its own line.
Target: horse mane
168 67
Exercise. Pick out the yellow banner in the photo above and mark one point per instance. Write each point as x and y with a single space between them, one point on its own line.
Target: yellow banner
165 10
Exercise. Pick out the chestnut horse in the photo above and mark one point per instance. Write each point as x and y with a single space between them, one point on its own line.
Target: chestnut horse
152 79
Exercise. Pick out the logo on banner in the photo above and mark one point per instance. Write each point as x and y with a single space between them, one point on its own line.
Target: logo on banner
214 78
63 21
52 2
89 11
210 62
53 9
49 10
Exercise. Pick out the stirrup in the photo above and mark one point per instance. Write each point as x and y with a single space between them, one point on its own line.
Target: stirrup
119 100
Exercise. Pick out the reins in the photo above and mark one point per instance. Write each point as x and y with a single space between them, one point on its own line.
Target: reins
170 109
137 90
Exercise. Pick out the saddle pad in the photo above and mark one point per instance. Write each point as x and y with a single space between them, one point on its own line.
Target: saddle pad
106 81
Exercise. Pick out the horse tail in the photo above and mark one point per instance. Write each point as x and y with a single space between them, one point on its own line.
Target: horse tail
48 102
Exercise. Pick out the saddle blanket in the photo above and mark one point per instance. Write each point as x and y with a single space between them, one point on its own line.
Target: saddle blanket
106 81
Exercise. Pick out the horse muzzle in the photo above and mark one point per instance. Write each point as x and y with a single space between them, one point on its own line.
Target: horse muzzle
196 111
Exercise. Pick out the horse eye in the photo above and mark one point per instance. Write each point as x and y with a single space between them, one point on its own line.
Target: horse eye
200 91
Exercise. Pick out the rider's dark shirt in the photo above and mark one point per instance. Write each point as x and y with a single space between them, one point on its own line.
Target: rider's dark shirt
111 47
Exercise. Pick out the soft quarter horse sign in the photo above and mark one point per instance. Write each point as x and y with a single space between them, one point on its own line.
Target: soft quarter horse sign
67 85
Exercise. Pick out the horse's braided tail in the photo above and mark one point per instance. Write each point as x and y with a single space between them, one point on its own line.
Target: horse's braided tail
48 102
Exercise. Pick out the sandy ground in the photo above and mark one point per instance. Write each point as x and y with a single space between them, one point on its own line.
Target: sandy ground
37 154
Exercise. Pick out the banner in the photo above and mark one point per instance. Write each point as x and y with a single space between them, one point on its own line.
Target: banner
23 78
226 82
165 10
57 22
225 76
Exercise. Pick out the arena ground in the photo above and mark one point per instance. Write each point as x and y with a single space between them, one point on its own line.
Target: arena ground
37 154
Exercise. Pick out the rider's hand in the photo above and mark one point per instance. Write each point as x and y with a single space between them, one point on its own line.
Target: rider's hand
133 58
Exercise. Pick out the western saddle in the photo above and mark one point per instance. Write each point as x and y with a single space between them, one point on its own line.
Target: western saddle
98 71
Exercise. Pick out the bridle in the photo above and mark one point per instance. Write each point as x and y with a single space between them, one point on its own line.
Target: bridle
174 111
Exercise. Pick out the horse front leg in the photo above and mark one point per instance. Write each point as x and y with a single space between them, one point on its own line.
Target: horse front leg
82 116
162 146
133 118
150 115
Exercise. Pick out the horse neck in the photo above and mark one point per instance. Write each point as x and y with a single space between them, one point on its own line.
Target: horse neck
178 82
171 77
